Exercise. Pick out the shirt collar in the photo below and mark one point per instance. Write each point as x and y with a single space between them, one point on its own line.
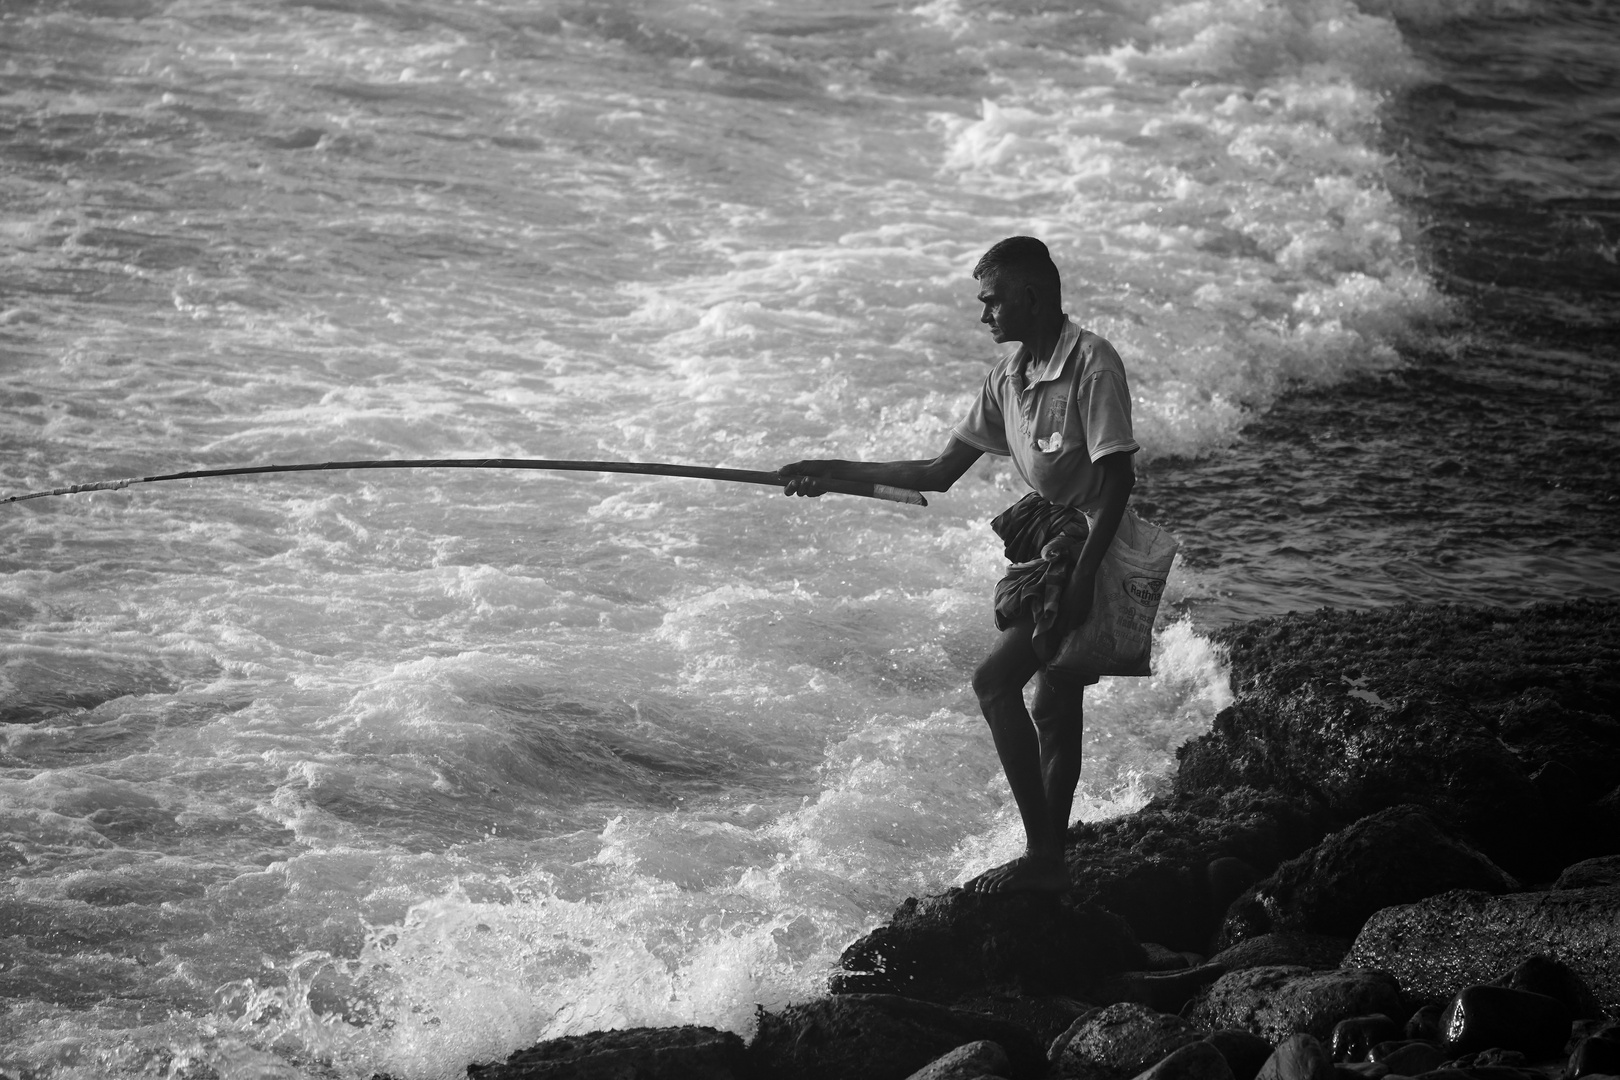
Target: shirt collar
1060 352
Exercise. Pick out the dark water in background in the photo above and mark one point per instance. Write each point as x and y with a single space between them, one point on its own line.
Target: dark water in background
314 778
1487 468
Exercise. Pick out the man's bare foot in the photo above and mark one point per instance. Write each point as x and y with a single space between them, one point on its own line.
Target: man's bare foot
1024 874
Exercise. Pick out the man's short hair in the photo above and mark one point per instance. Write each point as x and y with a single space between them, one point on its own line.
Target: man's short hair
1021 260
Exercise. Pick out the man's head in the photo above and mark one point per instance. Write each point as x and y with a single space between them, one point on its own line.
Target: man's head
1019 288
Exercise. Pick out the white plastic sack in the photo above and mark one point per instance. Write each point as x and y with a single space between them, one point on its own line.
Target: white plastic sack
1117 636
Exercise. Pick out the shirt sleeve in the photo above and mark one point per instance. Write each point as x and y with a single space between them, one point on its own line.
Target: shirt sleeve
983 427
1105 407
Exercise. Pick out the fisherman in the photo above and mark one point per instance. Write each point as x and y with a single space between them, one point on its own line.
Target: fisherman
1057 405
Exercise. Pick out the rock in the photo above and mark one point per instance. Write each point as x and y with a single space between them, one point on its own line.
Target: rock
956 944
1276 1002
1117 1042
1471 702
1161 991
1425 1023
1354 1036
1298 1057
1043 1016
679 1053
1594 1054
1360 1070
1541 974
1604 870
1244 1051
878 1037
1171 868
967 1062
1286 948
1195 1061
1481 1017
1394 856
1410 1057
1437 946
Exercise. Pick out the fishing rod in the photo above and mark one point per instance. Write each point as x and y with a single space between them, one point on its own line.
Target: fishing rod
646 468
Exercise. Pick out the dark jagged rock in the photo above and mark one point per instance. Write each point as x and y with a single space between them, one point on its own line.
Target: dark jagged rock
1394 856
1541 974
1298 1057
967 1062
956 944
1171 868
878 1037
1044 1016
1482 1017
1589 873
1244 1051
678 1053
1354 1036
1195 1061
1276 1002
1285 949
1440 945
1120 1041
1471 702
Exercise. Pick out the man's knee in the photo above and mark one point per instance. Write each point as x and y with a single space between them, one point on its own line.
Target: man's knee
991 682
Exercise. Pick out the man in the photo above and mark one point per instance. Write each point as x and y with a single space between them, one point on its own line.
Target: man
1059 406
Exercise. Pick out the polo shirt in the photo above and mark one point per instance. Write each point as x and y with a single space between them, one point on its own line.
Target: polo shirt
1073 410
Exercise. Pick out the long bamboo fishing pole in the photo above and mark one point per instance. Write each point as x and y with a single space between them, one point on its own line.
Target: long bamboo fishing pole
648 468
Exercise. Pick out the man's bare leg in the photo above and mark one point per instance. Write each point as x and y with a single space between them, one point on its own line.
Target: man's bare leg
1059 715
999 683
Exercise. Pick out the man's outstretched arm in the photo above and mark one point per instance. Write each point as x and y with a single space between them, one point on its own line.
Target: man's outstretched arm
936 474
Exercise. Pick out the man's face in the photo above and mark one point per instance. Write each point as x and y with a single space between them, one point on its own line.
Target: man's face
1009 311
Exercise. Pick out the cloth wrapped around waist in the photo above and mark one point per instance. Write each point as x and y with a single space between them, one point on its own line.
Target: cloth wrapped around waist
1043 541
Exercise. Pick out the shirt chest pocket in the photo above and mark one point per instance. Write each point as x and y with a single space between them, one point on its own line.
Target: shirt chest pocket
1053 426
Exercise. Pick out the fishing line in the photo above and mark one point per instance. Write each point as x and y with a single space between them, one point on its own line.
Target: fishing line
647 468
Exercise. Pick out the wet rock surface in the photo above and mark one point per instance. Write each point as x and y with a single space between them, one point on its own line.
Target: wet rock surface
1437 946
1394 856
1276 1002
942 948
879 1037
1120 1041
682 1053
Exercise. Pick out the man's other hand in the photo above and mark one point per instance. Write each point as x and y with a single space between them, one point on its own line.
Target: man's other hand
801 477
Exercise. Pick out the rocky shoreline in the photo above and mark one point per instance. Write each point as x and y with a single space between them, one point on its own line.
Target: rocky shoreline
1397 854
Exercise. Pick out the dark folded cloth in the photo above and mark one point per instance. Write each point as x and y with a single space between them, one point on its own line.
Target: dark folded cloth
1043 541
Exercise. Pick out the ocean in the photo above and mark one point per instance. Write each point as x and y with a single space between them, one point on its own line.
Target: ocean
332 774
